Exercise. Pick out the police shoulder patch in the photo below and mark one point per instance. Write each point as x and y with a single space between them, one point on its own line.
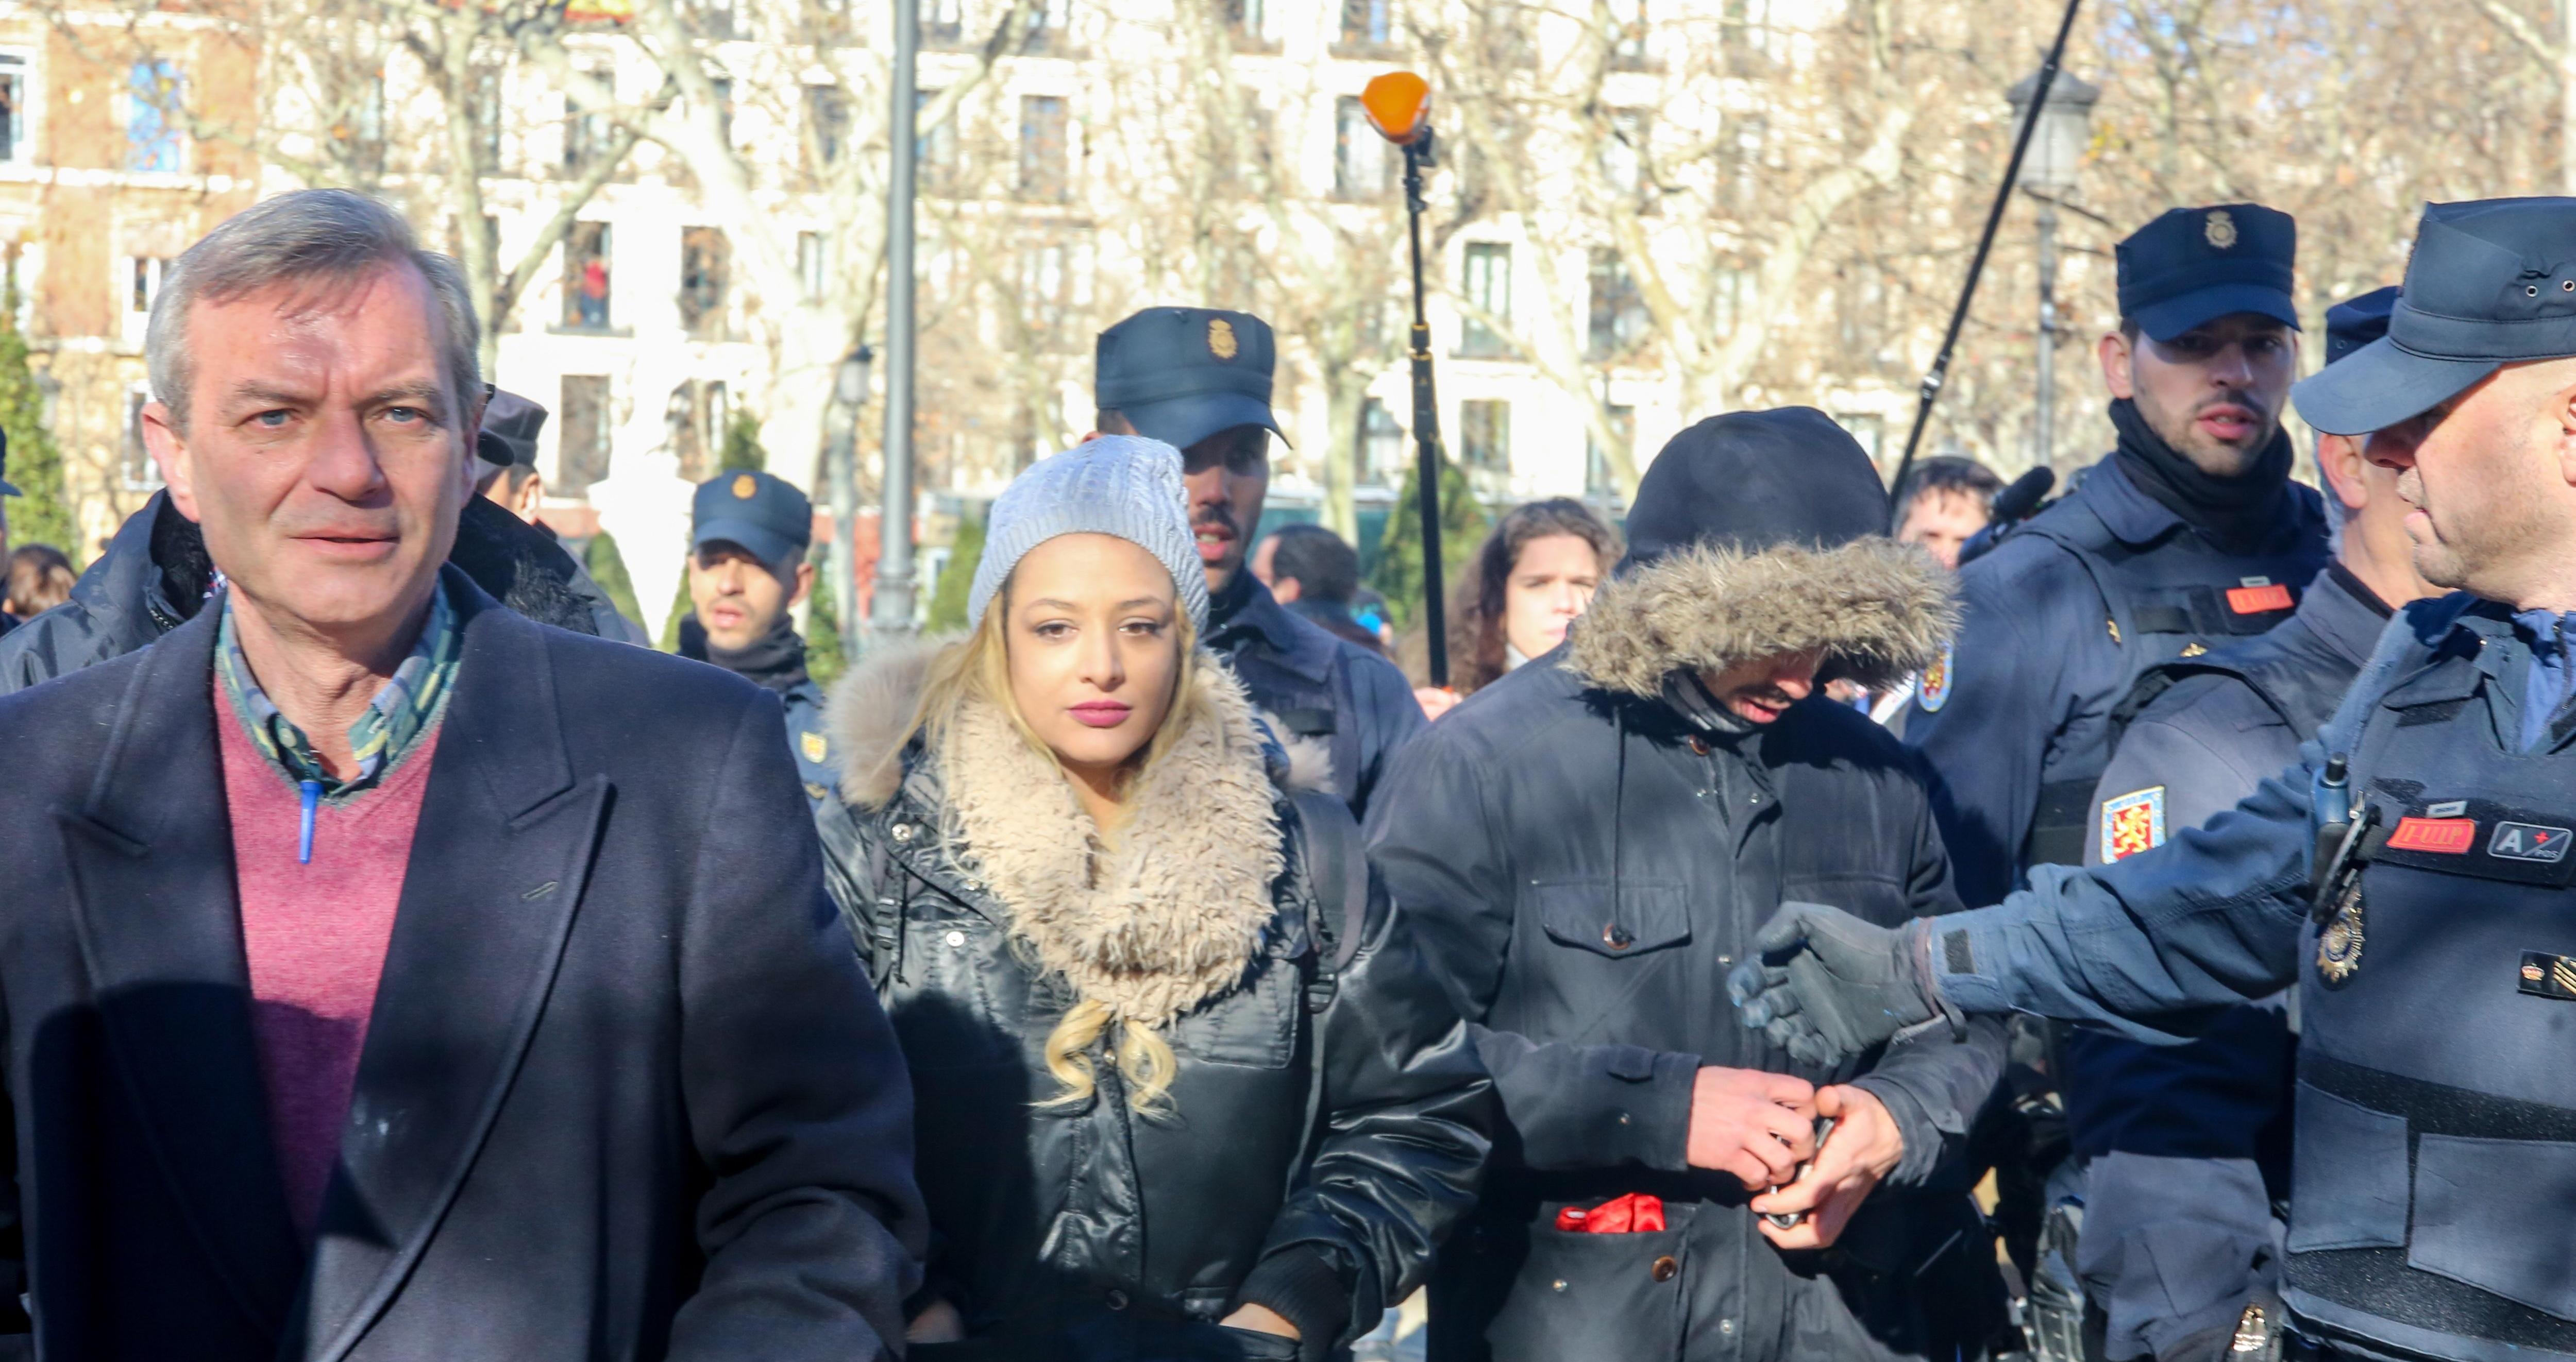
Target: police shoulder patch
2132 823
812 745
1935 690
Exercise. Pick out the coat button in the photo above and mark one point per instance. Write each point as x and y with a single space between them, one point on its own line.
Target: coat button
1665 1269
1560 1283
1616 937
903 832
1698 745
956 938
1117 1299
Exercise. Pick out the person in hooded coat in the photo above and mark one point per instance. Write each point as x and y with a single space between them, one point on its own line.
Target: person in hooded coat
1588 843
1185 1085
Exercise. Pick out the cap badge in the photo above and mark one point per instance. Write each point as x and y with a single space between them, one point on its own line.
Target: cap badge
1221 341
2219 230
744 485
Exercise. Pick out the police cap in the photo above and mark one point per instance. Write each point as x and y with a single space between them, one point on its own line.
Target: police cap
2192 266
761 513
510 426
1181 374
2356 322
2492 282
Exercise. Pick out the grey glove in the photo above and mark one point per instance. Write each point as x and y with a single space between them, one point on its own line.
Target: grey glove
1826 986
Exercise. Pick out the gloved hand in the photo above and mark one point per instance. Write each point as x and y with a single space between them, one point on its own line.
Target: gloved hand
1826 986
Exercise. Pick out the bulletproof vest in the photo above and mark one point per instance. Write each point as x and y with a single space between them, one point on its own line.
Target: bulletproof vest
2297 675
2175 597
2436 1102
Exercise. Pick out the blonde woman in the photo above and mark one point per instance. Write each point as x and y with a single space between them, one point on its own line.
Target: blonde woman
1184 1086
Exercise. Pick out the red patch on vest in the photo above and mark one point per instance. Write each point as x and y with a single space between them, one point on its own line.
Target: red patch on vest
2254 600
2443 836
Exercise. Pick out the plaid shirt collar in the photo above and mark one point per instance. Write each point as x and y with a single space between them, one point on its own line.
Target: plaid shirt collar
401 711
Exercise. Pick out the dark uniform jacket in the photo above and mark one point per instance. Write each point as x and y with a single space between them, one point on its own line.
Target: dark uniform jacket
155 574
2189 1144
2062 618
1318 687
2435 1118
1320 1137
624 1096
1585 864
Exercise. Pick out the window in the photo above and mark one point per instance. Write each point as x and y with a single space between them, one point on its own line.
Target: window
1367 23
1051 27
1485 434
1739 184
1599 471
17 110
1363 163
943 22
1744 33
135 466
1247 21
587 135
809 266
1043 130
585 276
145 273
1623 154
1628 35
362 135
706 274
1730 296
724 107
1487 288
581 456
1619 318
1381 446
827 123
487 115
152 91
935 149
1043 287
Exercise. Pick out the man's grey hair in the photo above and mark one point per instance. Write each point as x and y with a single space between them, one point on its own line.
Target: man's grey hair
323 237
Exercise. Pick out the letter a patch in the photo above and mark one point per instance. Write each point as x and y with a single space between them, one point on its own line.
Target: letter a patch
2132 823
1935 690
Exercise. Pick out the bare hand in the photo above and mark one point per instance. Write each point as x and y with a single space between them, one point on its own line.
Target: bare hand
1758 1126
938 1322
1435 700
1260 1319
1864 1148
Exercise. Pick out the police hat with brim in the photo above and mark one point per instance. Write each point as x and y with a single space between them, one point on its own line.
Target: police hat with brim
761 512
1182 374
2492 282
2192 266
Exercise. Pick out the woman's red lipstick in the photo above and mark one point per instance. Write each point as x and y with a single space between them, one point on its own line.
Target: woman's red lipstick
1103 713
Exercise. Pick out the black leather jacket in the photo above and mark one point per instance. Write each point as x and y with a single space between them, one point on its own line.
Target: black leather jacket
1324 1137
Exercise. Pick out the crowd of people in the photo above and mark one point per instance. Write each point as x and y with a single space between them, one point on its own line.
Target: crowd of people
404 963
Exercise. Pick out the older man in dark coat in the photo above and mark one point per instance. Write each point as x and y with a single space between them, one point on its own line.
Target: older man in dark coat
1585 846
372 992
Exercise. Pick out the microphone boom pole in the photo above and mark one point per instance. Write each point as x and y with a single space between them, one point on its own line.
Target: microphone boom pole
1398 105
1940 371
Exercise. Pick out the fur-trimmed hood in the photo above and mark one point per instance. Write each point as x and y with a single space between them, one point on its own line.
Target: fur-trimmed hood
1150 922
1878 609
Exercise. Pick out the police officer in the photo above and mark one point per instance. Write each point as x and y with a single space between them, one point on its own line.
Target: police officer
1199 379
508 478
2189 535
2187 1146
747 535
2410 874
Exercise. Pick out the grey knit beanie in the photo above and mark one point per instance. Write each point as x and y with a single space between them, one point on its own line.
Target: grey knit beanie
1123 485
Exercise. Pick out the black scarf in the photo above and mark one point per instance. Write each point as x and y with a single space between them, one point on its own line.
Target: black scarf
775 660
2237 513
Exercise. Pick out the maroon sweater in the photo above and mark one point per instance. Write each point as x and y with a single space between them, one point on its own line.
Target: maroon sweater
315 936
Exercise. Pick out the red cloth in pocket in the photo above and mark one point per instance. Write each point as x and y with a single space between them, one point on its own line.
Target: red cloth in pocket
1635 1213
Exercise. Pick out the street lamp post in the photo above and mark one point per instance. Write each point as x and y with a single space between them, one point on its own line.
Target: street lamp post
850 394
2056 155
891 611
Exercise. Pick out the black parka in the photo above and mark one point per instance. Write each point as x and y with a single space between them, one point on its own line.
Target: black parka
1321 1137
1584 863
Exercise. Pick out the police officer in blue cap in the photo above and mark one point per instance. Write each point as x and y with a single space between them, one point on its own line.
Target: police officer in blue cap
2188 536
748 535
2409 873
2187 1147
1199 379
